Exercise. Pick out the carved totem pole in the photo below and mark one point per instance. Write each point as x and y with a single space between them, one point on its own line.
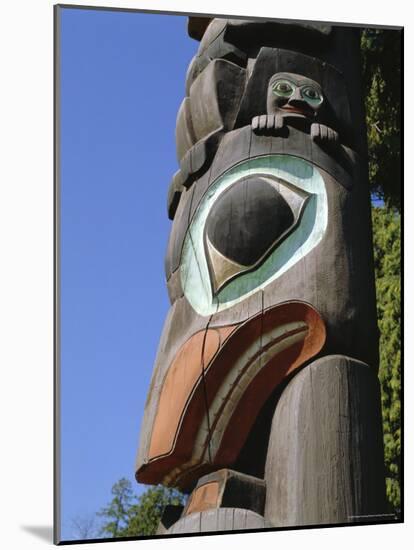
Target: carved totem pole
264 402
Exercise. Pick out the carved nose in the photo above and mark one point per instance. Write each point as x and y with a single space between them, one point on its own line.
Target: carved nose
298 101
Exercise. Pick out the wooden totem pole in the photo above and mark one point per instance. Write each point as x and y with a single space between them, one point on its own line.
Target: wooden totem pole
264 403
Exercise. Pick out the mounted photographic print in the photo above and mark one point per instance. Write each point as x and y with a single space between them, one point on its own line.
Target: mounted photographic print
228 273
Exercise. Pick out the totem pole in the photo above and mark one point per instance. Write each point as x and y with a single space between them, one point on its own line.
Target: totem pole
264 404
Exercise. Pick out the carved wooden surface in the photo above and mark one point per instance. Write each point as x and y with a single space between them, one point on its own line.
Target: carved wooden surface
227 489
221 519
325 461
269 269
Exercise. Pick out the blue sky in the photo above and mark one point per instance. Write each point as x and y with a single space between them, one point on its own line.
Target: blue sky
122 81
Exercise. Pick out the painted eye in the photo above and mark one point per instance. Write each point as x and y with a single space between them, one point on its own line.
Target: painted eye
254 223
255 210
312 96
283 88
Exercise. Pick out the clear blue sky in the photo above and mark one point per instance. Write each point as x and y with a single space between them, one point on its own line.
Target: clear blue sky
122 81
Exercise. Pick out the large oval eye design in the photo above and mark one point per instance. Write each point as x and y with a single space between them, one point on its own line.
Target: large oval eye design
283 88
249 219
254 223
312 96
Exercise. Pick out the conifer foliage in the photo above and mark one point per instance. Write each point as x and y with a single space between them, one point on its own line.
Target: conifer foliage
129 515
387 255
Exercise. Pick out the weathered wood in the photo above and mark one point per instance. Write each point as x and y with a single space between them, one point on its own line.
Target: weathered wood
184 131
222 519
209 110
227 489
325 460
170 515
178 231
215 97
269 265
174 287
174 194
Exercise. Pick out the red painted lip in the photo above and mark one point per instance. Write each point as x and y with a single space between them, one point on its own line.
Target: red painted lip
297 111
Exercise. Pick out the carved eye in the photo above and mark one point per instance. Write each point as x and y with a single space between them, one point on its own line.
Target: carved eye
245 223
283 88
312 96
255 221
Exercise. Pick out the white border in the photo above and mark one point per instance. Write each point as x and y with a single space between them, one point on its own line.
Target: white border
26 231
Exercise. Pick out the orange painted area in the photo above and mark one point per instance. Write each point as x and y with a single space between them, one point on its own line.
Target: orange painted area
204 498
182 403
278 368
183 375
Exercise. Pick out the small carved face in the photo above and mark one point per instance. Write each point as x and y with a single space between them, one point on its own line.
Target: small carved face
294 94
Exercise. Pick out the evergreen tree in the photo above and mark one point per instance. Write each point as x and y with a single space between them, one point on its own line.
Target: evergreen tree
128 515
381 67
387 254
146 514
116 514
381 71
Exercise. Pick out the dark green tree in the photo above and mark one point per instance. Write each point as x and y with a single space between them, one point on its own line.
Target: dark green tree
381 71
381 66
387 255
130 515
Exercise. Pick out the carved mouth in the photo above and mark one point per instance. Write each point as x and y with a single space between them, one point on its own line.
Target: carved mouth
298 111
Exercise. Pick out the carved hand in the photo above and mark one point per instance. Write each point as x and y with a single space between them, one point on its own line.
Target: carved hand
323 134
267 124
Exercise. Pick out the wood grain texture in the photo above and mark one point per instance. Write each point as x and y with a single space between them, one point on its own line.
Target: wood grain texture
178 231
206 114
184 131
174 287
215 97
203 408
203 498
174 194
184 373
325 459
227 488
221 519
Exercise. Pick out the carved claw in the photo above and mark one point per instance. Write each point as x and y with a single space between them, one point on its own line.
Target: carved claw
323 134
